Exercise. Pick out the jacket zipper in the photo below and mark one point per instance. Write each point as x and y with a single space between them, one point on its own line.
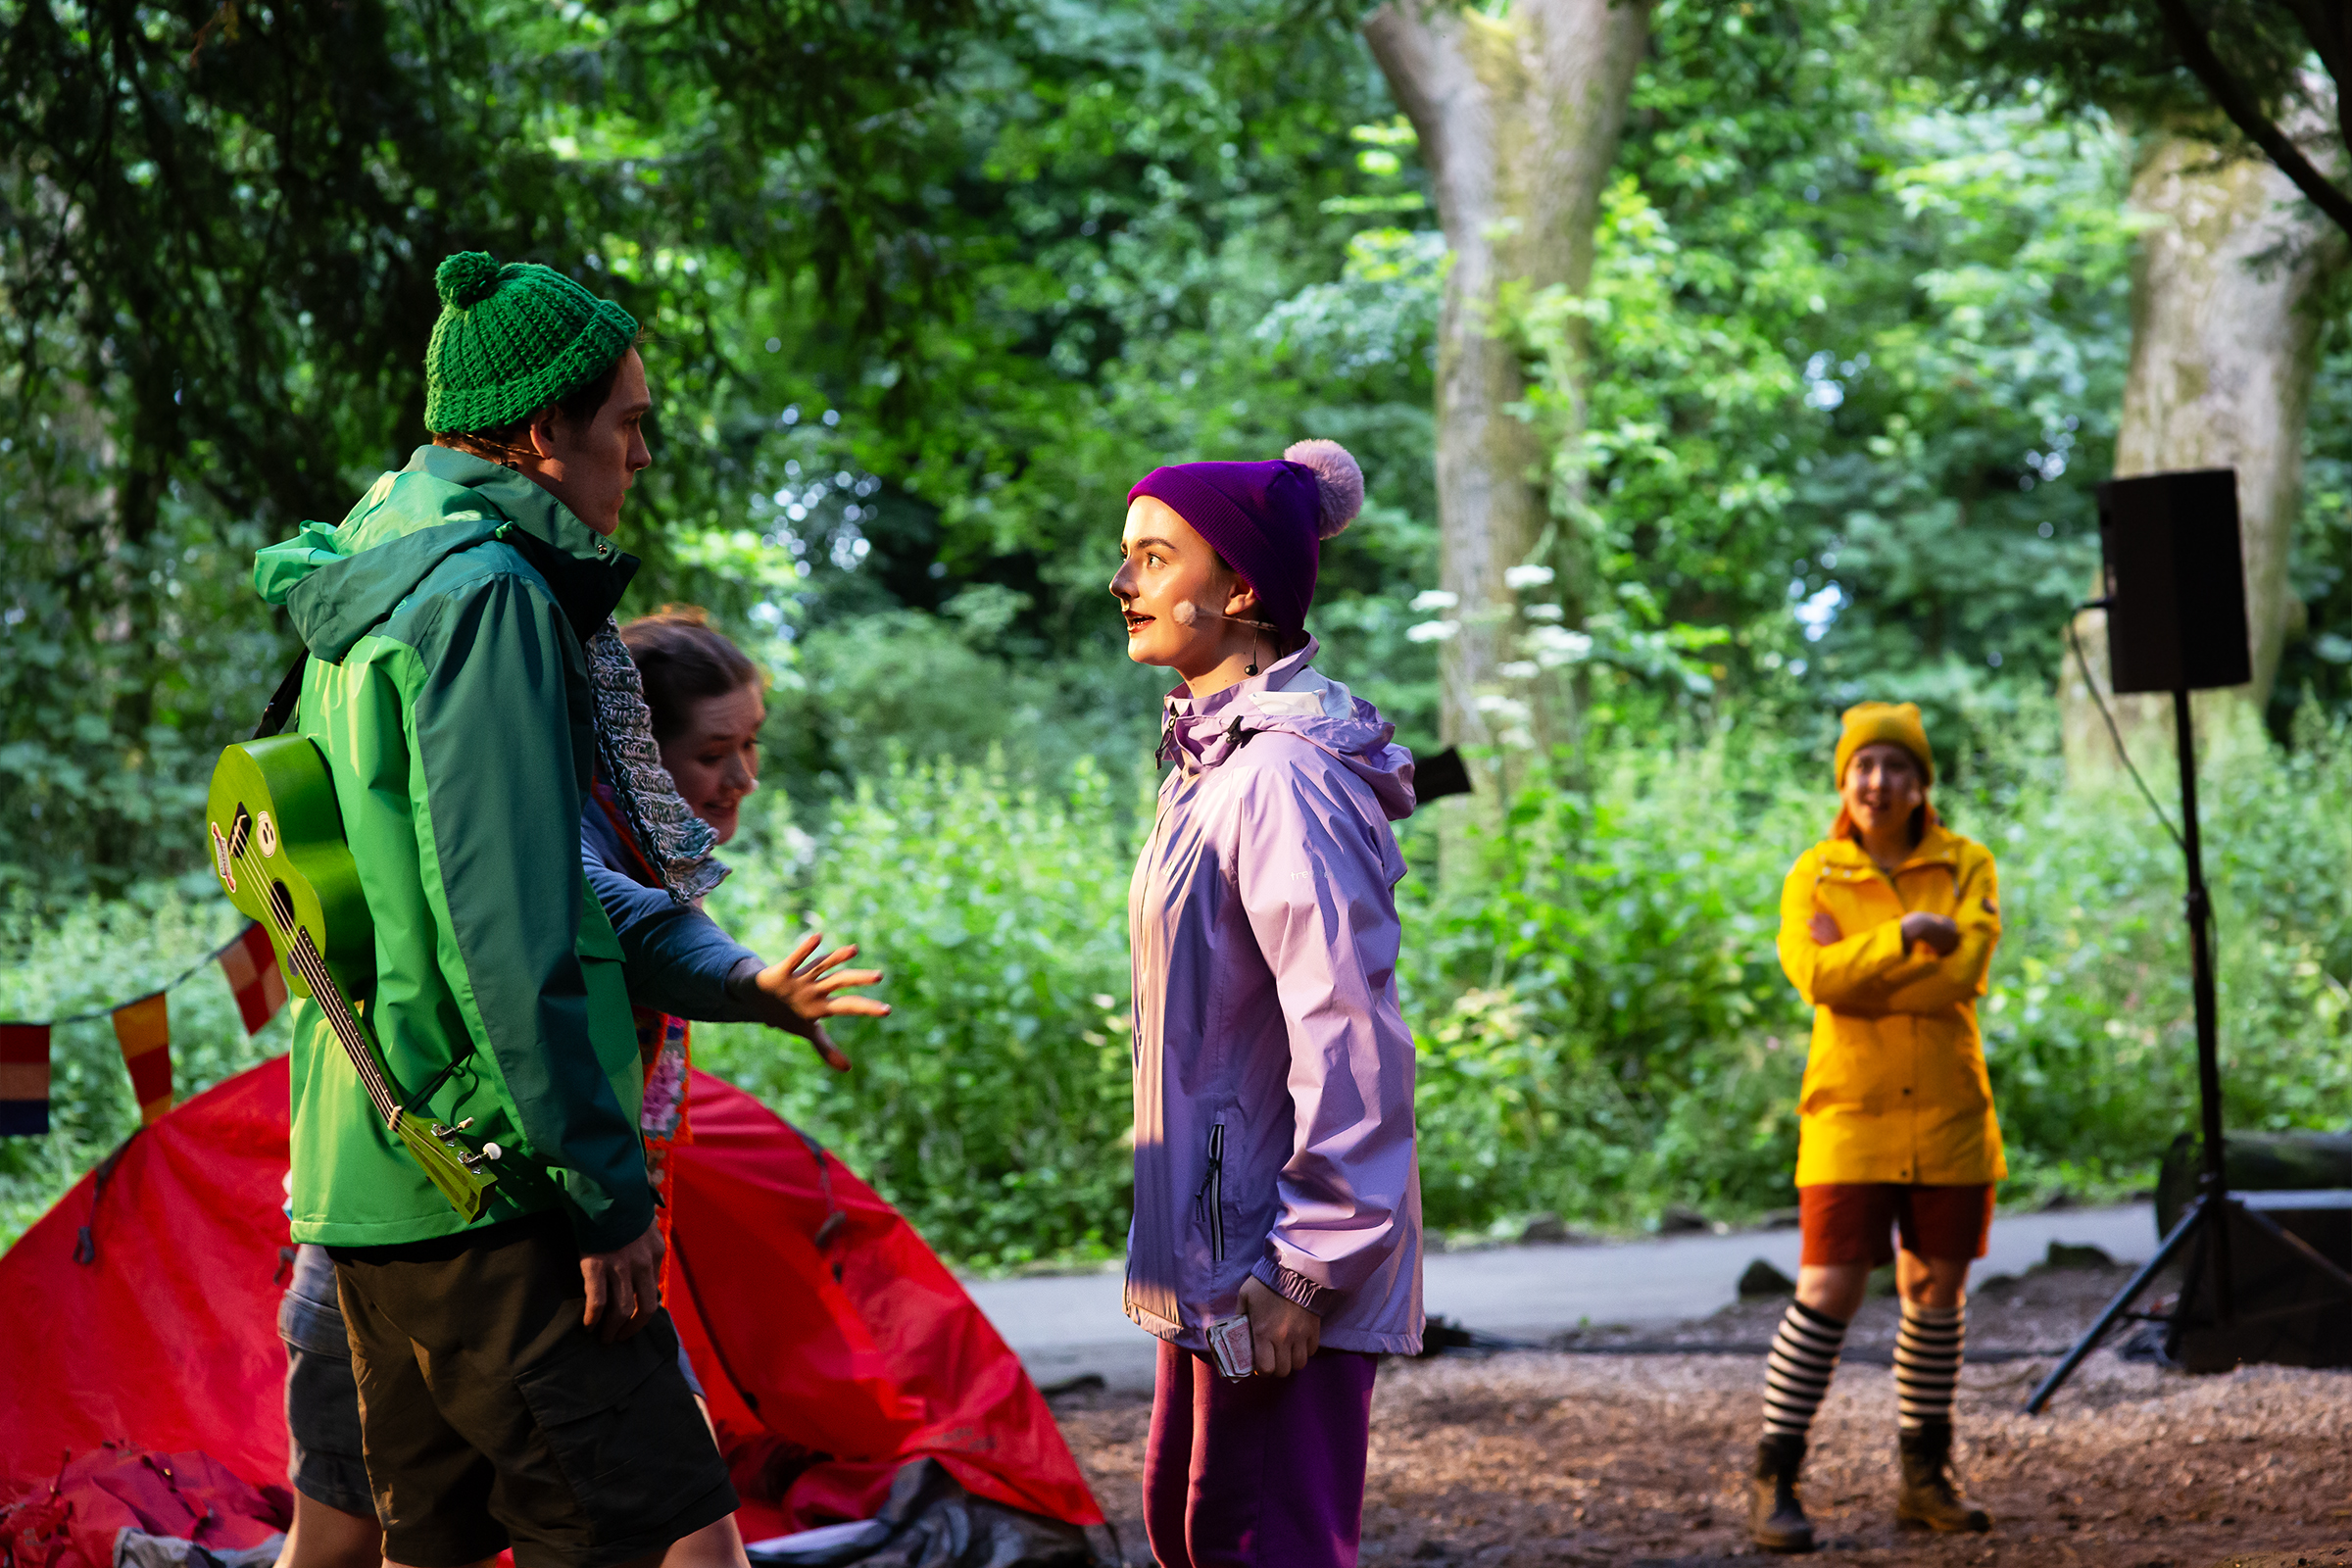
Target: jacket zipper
1209 1202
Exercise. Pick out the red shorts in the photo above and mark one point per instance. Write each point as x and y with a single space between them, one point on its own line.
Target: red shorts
1849 1222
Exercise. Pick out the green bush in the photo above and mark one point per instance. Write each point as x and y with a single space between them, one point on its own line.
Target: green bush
992 1104
1602 1023
1605 1027
2088 1031
1601 1018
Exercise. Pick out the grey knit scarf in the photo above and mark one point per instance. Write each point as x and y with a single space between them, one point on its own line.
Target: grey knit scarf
674 839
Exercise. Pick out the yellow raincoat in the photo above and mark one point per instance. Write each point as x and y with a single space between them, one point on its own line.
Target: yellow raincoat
1894 1088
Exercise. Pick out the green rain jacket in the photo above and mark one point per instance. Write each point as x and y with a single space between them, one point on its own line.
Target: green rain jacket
448 687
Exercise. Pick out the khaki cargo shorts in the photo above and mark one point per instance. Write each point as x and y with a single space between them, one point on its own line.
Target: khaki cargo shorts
491 1418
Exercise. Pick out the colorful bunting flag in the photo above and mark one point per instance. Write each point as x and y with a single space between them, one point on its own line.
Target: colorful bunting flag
24 1079
251 964
144 1027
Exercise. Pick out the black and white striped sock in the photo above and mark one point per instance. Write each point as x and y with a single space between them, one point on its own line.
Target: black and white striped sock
1927 1363
1805 1354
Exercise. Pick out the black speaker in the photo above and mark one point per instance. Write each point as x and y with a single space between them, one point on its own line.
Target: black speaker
1438 776
2175 582
2285 1312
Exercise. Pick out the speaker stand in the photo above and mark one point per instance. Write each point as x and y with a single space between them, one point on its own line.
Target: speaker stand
2209 1214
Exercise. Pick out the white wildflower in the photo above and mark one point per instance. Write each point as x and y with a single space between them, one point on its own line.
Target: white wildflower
1554 646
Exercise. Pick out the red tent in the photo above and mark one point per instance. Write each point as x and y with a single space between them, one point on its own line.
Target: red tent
836 1349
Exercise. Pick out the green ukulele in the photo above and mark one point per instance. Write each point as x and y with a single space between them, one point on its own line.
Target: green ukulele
277 845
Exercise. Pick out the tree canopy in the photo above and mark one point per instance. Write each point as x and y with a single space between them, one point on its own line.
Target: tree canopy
2272 70
928 284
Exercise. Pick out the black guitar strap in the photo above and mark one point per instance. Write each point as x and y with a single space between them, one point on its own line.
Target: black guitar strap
281 701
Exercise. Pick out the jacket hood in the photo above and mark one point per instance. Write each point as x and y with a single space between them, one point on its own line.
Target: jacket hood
338 582
1291 697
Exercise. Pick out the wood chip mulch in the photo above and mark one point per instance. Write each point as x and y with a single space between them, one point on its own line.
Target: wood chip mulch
1574 1457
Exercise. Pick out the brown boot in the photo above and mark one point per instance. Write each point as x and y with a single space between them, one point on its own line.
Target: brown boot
1776 1515
1930 1497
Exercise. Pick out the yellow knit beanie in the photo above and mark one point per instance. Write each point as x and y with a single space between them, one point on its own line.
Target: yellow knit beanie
1890 724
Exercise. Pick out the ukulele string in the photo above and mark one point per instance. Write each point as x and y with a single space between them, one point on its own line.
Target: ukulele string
330 996
323 989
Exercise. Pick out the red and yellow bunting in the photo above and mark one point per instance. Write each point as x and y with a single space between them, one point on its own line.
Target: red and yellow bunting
23 1080
251 964
144 1027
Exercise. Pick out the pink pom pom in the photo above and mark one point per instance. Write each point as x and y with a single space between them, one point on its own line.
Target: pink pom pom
1339 483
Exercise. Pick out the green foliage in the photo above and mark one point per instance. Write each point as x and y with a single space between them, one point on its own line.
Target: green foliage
2317 662
2091 1035
218 231
2119 56
1847 364
927 286
1620 1034
952 685
1602 1023
1603 975
992 1105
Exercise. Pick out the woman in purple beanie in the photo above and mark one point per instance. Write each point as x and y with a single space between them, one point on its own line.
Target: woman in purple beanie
1277 1192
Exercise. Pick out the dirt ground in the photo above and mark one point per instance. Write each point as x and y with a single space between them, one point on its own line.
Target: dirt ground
1593 1455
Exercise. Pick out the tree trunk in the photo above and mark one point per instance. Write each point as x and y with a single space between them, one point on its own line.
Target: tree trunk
1518 115
2225 338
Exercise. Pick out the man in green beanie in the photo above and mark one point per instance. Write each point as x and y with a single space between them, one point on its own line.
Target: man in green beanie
520 1382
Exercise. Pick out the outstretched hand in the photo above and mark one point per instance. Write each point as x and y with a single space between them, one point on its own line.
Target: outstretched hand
795 998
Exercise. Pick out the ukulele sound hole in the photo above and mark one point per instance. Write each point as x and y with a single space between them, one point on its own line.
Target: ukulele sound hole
281 904
238 831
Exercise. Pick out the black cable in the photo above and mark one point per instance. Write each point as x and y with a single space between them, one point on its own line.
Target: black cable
2213 924
2092 685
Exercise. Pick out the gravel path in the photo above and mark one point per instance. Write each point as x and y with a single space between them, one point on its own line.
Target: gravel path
1546 1458
1067 1326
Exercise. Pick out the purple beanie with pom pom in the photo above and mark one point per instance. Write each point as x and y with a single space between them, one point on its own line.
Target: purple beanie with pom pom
1268 521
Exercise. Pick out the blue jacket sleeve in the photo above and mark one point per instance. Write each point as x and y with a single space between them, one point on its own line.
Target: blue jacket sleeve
675 957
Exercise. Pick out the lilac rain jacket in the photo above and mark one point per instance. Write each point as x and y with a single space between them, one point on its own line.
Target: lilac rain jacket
1273 1071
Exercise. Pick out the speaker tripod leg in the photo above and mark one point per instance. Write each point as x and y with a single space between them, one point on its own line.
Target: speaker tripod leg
2183 1229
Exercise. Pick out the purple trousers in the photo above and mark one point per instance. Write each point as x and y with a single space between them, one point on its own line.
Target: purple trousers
1260 1473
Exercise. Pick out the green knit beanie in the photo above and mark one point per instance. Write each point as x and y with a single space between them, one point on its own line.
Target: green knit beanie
513 339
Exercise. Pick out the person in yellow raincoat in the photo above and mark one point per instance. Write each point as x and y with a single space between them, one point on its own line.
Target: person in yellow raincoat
1887 928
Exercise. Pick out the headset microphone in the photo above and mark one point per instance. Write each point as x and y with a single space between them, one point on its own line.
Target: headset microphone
1189 614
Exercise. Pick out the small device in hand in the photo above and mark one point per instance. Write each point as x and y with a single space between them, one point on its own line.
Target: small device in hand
1229 1343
